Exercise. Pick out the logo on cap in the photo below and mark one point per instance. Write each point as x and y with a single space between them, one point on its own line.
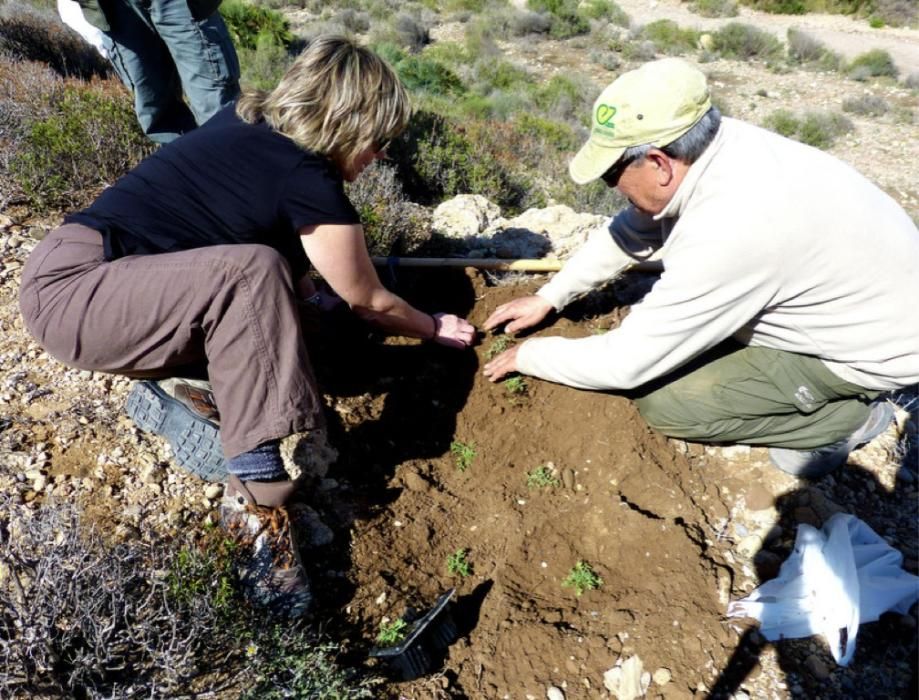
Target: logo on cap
605 114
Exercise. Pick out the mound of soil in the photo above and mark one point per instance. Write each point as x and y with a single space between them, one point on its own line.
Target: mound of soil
624 501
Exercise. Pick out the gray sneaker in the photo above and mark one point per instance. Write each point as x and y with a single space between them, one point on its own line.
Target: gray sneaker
271 572
813 464
182 411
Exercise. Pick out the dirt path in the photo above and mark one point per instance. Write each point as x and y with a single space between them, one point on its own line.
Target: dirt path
844 35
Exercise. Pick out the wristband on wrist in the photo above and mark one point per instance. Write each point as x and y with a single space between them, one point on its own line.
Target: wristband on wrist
436 327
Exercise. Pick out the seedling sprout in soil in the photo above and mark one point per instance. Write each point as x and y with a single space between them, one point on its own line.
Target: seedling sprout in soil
582 578
541 477
391 632
457 564
500 344
516 386
464 454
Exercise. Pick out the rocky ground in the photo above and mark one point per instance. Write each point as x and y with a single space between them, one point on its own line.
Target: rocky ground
675 530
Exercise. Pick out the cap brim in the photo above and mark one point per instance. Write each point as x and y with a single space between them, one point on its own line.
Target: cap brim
592 161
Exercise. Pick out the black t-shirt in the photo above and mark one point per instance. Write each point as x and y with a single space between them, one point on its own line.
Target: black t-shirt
225 182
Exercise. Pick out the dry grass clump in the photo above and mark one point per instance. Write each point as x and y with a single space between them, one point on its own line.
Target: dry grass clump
866 106
29 34
811 53
744 41
714 8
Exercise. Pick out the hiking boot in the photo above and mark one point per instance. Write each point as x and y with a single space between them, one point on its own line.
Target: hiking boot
254 513
812 464
182 411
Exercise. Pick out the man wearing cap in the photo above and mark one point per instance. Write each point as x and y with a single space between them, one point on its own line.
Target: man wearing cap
782 313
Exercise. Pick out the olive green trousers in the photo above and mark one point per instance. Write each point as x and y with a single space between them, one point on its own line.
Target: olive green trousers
755 396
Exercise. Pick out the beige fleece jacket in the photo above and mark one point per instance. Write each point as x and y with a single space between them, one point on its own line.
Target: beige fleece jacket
767 240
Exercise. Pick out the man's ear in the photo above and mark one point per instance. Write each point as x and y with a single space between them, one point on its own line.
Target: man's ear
663 165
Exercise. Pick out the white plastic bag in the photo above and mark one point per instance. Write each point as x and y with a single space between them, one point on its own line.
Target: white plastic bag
837 578
72 15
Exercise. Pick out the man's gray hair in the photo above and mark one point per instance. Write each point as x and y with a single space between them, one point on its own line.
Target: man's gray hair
687 147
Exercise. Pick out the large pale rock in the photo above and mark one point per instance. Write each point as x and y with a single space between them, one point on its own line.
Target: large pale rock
558 230
464 217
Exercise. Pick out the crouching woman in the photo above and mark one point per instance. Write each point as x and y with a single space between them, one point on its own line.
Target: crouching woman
199 255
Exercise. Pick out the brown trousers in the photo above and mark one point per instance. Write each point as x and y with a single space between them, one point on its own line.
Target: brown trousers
231 307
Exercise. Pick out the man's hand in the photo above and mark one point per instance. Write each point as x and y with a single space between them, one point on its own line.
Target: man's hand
522 313
502 365
452 331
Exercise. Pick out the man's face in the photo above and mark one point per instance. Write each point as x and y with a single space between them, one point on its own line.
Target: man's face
650 183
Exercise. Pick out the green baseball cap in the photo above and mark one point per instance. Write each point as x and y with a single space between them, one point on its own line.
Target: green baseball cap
654 104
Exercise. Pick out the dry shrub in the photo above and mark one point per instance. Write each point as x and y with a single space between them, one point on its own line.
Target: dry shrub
866 105
81 618
392 224
30 35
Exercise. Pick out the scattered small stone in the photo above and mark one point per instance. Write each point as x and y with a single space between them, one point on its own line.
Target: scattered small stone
661 676
568 478
213 492
553 693
816 667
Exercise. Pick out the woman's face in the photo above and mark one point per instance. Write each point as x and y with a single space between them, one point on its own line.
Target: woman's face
364 158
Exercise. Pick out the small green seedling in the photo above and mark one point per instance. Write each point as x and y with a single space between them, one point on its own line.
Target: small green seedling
457 564
516 386
464 453
500 344
541 478
582 578
391 632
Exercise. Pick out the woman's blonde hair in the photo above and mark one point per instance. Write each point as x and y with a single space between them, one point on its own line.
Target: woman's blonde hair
337 99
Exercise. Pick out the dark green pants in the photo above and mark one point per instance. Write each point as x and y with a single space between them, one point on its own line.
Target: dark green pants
755 396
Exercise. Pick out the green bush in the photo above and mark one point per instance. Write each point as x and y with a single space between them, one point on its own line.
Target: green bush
263 66
566 18
437 158
872 64
249 24
559 136
816 129
89 139
605 10
669 38
743 41
421 72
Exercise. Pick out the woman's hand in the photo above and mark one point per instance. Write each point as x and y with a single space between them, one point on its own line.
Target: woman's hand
452 331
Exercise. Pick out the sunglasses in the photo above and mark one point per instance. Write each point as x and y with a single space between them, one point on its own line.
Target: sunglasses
611 176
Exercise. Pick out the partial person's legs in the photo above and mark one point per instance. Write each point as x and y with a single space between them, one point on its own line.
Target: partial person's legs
143 63
233 305
756 396
203 54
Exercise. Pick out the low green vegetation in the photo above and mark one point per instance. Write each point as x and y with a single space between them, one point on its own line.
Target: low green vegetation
872 64
542 477
499 345
463 454
866 106
714 8
516 386
582 578
458 564
818 129
391 632
744 41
